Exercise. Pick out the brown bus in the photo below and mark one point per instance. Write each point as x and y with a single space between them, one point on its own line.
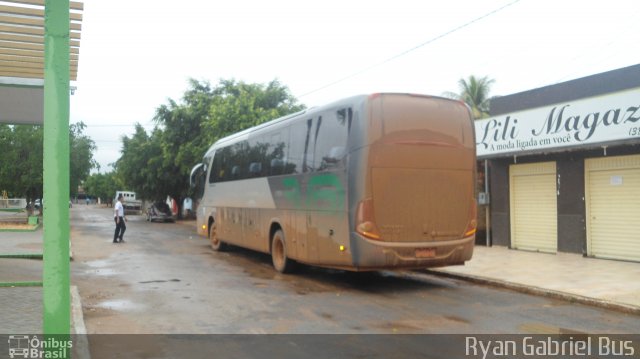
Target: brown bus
379 181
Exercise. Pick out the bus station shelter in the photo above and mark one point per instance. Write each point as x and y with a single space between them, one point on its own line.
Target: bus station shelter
39 49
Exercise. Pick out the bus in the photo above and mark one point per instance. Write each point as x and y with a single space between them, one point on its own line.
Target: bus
371 182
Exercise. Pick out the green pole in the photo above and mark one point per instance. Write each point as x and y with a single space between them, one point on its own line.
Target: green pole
56 289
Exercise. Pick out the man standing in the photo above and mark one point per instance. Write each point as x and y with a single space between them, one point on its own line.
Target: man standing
118 215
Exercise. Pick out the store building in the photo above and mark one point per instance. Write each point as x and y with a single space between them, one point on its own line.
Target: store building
564 167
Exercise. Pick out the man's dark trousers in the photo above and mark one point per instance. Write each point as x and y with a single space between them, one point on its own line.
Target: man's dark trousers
120 228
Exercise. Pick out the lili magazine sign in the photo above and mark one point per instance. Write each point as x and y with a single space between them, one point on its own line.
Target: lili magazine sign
600 119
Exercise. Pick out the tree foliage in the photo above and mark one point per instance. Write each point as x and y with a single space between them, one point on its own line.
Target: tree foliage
81 156
21 162
475 93
102 185
158 164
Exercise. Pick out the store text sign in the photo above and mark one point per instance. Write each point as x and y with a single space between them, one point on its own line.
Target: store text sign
602 119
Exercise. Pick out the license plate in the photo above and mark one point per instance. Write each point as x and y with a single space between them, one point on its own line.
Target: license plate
425 252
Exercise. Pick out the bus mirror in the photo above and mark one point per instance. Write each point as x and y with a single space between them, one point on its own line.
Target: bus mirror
195 172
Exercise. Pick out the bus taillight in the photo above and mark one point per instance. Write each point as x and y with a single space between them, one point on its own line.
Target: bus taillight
473 220
366 225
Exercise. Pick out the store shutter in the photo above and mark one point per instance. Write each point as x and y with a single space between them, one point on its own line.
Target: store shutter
534 209
613 207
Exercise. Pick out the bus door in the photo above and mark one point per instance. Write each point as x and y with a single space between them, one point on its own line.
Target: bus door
290 189
326 187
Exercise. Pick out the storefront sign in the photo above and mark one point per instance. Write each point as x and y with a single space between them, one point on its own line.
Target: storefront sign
595 120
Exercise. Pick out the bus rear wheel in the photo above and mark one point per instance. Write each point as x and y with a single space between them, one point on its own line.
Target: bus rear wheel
216 244
279 253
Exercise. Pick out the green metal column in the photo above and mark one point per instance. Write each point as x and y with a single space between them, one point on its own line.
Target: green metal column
56 290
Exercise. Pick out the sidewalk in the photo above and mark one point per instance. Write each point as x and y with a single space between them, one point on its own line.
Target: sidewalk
21 244
606 283
20 297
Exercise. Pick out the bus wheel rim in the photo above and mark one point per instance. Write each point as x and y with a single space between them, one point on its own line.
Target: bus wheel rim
214 237
278 249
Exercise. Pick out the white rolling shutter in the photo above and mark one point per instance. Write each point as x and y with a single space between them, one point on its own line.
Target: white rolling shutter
613 207
533 199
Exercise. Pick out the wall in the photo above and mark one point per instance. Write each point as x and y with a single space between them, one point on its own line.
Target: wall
571 188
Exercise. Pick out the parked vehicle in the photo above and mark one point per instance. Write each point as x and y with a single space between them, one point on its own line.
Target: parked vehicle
160 211
129 201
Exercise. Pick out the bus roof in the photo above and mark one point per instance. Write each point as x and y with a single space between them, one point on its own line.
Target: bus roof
244 134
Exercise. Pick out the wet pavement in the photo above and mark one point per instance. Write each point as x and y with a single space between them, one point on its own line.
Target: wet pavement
165 279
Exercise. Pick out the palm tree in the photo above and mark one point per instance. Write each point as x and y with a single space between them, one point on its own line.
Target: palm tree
475 93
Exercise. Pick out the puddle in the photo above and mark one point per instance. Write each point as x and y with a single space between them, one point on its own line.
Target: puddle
159 281
98 264
104 272
120 304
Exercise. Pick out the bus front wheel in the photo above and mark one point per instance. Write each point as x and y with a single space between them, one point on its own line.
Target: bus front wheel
279 253
216 244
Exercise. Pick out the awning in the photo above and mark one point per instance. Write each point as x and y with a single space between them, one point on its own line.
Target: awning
22 58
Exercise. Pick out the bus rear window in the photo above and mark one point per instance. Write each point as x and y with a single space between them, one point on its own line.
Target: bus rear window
427 118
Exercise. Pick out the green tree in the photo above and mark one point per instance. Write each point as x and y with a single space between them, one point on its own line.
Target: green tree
475 93
21 162
102 185
140 166
238 105
81 156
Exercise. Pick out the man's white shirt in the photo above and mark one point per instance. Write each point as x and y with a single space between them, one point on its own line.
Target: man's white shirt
118 210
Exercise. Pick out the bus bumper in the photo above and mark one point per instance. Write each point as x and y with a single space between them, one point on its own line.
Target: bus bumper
371 254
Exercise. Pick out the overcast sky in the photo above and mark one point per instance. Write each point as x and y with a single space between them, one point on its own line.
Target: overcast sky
135 55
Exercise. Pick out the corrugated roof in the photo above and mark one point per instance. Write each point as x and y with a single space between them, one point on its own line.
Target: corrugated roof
22 38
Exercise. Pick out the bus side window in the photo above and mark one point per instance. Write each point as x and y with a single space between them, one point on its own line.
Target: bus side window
255 169
219 171
213 171
331 140
235 172
299 146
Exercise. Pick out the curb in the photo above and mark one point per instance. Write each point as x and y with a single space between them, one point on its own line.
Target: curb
30 255
78 329
20 284
77 317
542 292
34 227
22 255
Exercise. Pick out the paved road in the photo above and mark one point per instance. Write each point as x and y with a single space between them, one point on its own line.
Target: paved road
165 279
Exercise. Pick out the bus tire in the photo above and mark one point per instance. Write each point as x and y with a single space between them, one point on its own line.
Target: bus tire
216 244
279 253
